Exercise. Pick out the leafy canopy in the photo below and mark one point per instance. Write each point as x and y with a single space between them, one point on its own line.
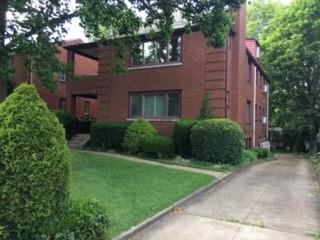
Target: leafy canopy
36 28
291 50
260 13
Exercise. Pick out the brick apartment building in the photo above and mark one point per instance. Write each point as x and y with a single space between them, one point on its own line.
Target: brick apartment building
168 82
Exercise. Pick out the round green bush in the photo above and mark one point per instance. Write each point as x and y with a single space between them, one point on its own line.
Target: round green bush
85 220
217 141
34 163
158 147
136 132
181 136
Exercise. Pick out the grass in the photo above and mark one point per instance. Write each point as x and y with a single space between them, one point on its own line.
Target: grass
130 191
196 164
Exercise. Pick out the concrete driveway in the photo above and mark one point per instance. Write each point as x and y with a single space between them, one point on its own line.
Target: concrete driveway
276 200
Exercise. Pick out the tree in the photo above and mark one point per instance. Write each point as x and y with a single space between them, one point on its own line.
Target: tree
34 164
205 110
36 28
291 50
259 14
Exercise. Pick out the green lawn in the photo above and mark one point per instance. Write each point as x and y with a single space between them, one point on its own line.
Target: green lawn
130 191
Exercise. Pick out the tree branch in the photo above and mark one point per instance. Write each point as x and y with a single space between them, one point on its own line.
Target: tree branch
53 23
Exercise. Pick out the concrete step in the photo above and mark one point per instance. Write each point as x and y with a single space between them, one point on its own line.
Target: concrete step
78 141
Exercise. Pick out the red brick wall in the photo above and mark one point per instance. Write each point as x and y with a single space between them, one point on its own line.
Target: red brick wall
83 66
189 78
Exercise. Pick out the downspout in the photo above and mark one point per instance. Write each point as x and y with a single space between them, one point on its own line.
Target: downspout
254 105
267 122
226 79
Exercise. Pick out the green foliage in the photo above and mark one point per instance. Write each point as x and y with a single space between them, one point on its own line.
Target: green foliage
38 35
107 135
134 135
181 137
261 152
248 156
64 118
205 110
291 49
259 14
85 220
3 233
158 147
316 162
34 163
217 141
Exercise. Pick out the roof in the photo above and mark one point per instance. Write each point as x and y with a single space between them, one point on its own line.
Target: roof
89 50
253 39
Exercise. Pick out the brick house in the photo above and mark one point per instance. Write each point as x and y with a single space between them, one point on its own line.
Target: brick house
86 106
168 82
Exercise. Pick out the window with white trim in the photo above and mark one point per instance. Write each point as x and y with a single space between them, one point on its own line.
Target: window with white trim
155 105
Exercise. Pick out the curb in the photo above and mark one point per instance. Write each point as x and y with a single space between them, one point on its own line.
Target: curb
134 230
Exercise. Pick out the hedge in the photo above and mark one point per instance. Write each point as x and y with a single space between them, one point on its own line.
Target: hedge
158 147
34 163
107 135
136 132
64 118
181 137
217 141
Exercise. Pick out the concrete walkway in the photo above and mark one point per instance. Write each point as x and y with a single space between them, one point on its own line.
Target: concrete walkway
139 160
275 200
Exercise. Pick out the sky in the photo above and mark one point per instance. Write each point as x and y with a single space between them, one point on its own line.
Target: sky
75 31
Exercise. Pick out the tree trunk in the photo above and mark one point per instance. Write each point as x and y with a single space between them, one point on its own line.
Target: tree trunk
3 54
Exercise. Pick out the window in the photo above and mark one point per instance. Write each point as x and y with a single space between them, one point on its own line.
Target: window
249 71
258 52
62 104
155 105
158 52
62 76
249 113
86 108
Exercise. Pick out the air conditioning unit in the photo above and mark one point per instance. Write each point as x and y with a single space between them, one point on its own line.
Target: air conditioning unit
264 120
265 88
265 145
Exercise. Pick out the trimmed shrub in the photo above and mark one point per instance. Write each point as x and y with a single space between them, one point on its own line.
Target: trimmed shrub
136 132
82 220
181 137
261 152
157 147
34 163
217 141
64 118
205 110
107 135
248 156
